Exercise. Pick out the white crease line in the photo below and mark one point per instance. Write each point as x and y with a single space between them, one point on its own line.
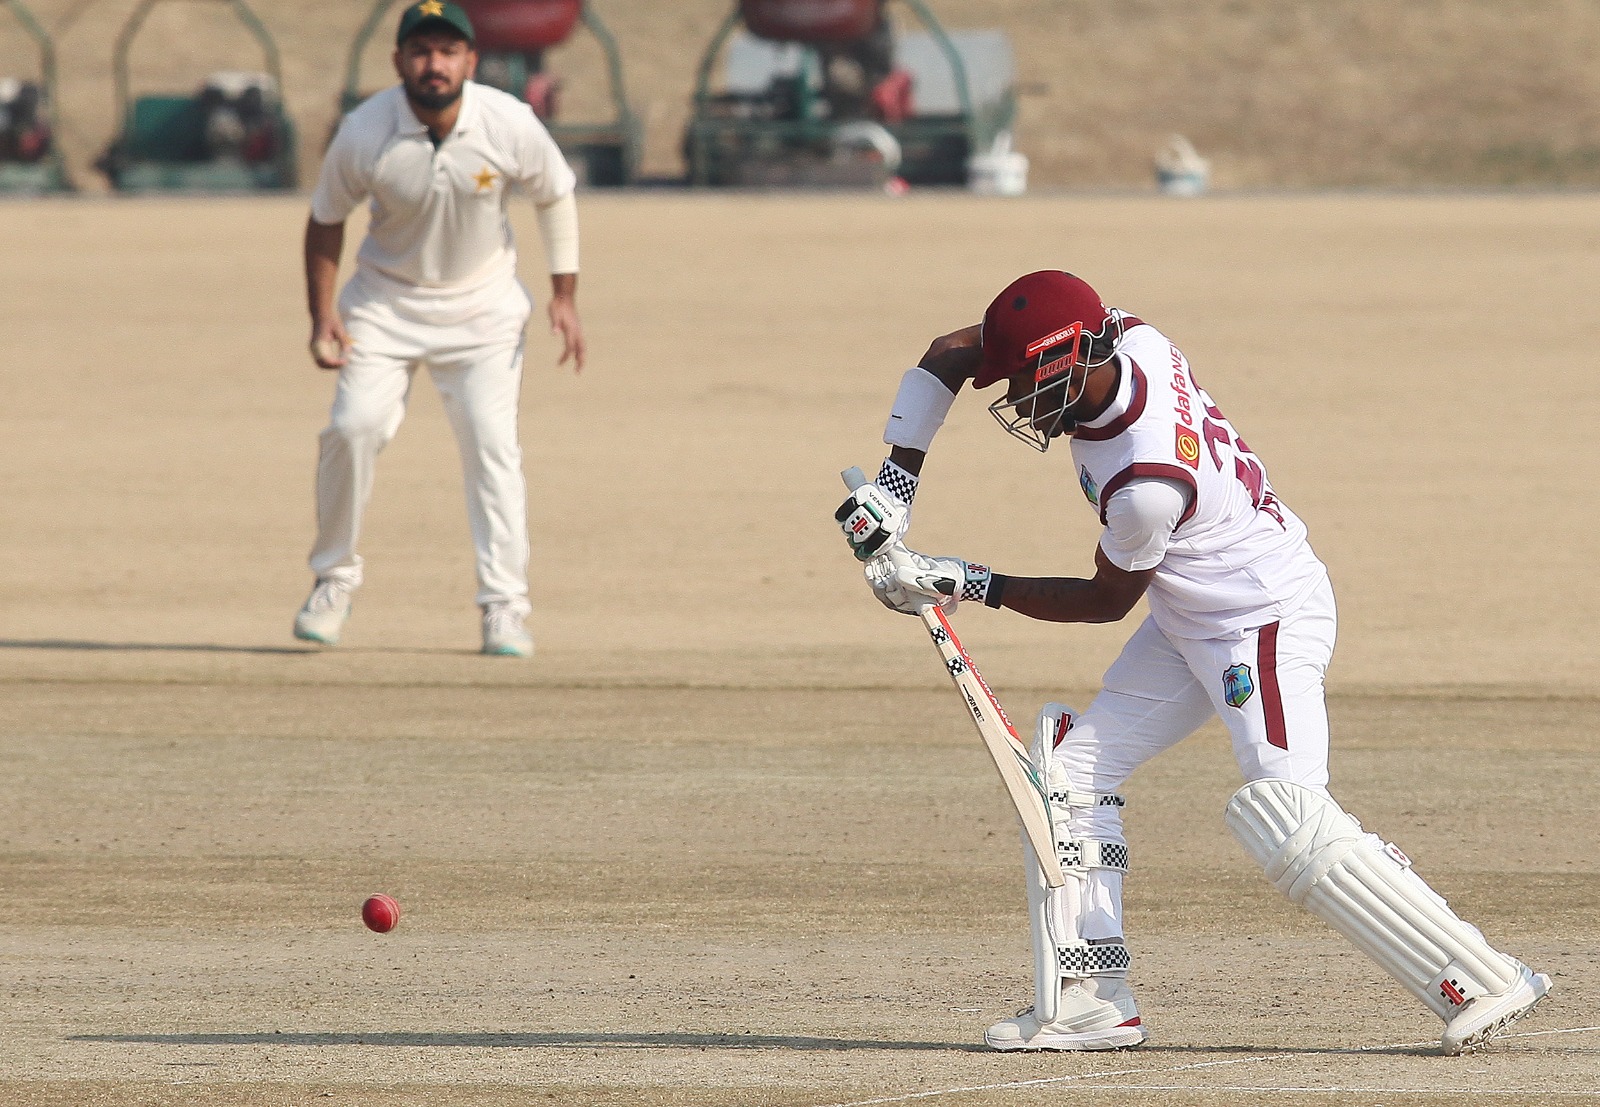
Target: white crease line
1082 1076
1542 1033
1043 1080
1342 1089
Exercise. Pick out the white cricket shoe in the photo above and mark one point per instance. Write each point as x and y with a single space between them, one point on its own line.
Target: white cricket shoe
1097 1013
1484 1017
503 632
323 616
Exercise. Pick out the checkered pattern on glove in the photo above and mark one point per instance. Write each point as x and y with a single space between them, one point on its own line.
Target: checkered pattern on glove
897 482
975 582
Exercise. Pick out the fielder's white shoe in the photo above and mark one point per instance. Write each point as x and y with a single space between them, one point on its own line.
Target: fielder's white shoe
503 632
1484 1017
1097 1013
323 616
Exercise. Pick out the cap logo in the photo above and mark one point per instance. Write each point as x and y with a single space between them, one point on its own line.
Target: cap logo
1039 345
430 7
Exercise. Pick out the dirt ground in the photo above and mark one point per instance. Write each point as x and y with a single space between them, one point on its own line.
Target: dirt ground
728 838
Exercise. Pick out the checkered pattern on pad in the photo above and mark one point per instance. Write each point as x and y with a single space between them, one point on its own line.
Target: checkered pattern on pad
1083 959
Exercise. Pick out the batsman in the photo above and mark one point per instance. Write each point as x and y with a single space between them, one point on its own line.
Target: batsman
1241 624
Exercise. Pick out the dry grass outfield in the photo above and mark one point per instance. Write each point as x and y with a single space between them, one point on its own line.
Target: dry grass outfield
1337 92
728 840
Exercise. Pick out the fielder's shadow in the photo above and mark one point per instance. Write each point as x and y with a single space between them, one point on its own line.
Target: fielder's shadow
70 645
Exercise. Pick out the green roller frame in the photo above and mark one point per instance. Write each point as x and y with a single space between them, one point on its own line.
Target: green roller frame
162 144
604 153
934 148
50 173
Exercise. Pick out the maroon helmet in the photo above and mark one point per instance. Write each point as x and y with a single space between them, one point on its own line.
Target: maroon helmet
1037 326
1035 314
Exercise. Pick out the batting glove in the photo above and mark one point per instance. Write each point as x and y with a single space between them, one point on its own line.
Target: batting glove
906 581
876 516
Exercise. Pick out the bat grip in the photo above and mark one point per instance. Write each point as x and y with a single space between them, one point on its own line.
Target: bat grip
853 478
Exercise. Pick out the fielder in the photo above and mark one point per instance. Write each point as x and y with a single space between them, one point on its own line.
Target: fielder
1241 625
436 285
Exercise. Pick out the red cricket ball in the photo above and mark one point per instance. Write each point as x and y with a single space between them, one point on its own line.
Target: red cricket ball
380 913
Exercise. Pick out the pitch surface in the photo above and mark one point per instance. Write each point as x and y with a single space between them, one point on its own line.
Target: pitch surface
728 839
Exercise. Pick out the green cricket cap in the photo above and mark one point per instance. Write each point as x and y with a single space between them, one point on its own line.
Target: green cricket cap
433 13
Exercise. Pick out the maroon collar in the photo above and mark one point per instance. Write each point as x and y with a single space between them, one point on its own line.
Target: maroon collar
1122 422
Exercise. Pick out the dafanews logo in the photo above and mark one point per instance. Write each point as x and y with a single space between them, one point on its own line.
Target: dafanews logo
1188 447
1090 489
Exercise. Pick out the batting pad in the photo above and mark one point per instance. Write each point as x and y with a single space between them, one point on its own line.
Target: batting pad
1318 855
1094 871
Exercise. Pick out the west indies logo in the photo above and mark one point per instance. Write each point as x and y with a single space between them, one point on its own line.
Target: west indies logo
1237 685
1086 482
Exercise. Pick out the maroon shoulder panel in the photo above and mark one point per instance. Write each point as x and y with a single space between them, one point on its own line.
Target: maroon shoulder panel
1152 469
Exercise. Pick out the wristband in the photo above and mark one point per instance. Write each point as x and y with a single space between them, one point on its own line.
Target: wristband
897 482
978 580
919 410
996 590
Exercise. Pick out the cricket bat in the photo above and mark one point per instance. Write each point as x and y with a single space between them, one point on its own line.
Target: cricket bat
1017 770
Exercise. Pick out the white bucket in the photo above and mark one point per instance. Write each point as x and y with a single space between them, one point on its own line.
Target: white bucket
1180 170
1000 172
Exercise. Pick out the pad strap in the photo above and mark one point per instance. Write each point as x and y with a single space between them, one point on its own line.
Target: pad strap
1080 959
1068 798
1086 853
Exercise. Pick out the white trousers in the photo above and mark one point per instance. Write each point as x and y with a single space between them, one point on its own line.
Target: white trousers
477 366
1267 684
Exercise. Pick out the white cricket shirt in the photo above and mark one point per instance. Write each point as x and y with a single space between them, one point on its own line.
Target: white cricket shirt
439 237
1238 558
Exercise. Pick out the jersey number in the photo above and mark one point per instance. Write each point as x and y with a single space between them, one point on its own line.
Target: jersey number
1246 468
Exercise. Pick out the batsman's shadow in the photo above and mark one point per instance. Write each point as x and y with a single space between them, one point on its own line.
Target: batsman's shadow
410 1039
396 1039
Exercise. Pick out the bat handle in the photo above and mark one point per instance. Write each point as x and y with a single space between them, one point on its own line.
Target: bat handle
853 478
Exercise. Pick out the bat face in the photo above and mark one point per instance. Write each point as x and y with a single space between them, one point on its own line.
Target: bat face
1021 777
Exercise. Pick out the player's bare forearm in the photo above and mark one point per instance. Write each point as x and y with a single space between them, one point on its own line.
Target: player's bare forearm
329 342
323 247
908 459
1105 598
564 321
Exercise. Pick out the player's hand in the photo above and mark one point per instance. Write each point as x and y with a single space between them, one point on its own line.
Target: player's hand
906 581
564 323
872 519
330 345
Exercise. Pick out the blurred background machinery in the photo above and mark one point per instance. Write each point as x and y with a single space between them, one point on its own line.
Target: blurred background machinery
229 135
514 41
30 159
832 92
